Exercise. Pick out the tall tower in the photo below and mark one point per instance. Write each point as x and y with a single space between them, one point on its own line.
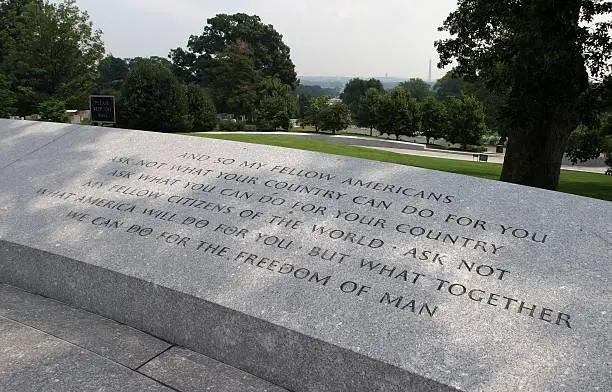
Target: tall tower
429 79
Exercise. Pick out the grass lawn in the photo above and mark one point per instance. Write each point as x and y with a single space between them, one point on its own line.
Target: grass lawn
584 184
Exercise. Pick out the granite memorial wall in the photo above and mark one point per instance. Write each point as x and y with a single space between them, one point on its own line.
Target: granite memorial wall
314 271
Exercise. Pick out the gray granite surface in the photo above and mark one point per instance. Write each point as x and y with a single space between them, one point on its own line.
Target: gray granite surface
45 346
118 342
20 138
186 370
314 271
32 361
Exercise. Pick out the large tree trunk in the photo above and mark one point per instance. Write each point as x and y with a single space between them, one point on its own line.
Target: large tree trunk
534 156
547 92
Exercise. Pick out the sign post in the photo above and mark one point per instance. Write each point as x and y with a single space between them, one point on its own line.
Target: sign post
102 109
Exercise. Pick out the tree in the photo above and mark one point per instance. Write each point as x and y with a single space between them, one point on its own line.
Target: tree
466 123
7 98
53 110
113 71
398 114
418 88
355 90
48 51
303 102
235 82
152 99
274 105
267 51
587 143
434 120
313 114
132 62
450 85
335 117
367 114
536 54
201 113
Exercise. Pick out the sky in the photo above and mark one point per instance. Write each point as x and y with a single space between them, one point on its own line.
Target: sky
354 38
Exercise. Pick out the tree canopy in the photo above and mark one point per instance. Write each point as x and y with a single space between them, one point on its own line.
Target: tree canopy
152 99
466 123
537 55
48 51
313 113
264 45
113 71
275 105
201 113
355 90
369 106
334 117
434 119
235 81
418 88
398 114
588 142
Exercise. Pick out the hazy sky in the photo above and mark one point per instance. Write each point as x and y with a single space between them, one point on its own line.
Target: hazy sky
326 37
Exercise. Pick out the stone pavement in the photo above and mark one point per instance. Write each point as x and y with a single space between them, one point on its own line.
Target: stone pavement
48 346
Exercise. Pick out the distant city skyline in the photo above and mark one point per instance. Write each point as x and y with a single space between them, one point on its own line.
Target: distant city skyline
343 38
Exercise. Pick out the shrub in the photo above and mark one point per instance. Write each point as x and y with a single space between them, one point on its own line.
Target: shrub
152 99
53 110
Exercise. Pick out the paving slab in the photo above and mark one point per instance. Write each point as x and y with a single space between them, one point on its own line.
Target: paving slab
107 338
313 271
32 361
189 371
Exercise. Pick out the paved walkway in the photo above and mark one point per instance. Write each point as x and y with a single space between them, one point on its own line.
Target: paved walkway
48 346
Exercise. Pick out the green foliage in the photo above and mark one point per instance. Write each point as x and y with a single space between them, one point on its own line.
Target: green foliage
434 120
355 90
303 101
536 56
48 51
235 82
450 85
466 124
132 62
53 110
201 113
152 99
367 114
113 71
265 47
274 106
418 88
334 117
313 114
398 114
228 125
7 98
587 143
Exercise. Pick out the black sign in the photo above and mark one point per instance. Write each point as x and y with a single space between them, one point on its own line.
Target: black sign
102 108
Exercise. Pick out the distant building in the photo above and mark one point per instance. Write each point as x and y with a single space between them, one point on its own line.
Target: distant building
78 116
333 101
